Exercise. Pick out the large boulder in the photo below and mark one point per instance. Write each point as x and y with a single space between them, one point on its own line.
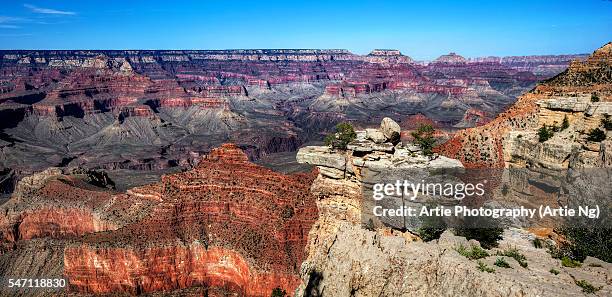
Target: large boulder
389 127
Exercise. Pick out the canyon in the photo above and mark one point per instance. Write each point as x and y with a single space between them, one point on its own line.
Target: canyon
582 94
225 227
351 255
131 173
160 111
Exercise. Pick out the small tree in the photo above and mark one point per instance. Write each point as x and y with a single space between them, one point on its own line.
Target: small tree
423 137
545 133
594 98
483 229
488 237
342 137
431 226
597 135
565 123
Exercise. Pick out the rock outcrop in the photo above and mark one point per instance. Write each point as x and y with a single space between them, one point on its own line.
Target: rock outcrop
450 59
338 187
159 110
348 257
227 224
358 262
582 94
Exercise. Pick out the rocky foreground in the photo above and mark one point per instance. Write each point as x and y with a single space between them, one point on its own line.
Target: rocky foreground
347 258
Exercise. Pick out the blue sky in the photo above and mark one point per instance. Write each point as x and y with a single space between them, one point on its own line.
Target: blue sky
421 29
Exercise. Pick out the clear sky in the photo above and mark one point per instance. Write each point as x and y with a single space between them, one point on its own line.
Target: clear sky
421 29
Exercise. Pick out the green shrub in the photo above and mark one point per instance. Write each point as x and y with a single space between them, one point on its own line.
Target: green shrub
516 255
488 237
278 292
430 233
545 133
567 262
597 135
554 271
537 243
473 253
342 137
423 137
587 287
594 98
484 268
501 262
591 241
432 227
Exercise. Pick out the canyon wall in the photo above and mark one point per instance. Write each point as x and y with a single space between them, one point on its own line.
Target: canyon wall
226 225
158 110
582 93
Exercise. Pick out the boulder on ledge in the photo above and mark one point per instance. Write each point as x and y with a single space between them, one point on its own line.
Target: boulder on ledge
389 127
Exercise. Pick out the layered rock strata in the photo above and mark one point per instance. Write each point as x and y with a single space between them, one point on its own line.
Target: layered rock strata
225 226
158 110
582 94
349 258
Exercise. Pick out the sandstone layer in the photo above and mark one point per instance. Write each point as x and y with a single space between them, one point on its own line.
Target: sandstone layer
227 227
582 94
159 110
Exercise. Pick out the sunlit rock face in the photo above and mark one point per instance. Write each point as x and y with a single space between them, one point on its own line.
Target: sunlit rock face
163 110
349 257
582 94
226 225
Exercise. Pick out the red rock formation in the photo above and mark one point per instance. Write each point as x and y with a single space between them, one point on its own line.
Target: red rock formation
478 117
481 147
58 222
167 268
190 101
227 223
414 121
450 58
63 206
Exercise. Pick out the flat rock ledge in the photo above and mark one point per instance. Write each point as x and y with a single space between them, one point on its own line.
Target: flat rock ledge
373 150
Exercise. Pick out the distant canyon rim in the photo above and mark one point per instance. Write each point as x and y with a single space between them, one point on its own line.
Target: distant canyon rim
146 112
131 172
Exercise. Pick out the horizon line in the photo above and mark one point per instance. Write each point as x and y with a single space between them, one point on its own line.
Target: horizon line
287 49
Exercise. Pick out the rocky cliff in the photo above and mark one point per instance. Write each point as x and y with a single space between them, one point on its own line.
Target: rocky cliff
351 257
338 187
358 262
156 110
581 94
226 225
